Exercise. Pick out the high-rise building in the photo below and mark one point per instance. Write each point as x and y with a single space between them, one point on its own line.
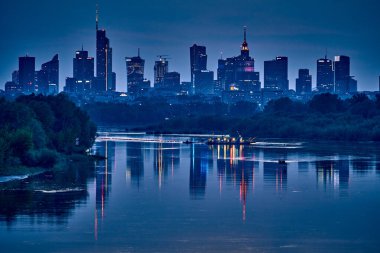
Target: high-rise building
276 74
238 73
303 82
83 66
204 82
135 73
221 77
342 74
83 71
161 67
104 74
48 77
26 70
325 75
198 59
83 78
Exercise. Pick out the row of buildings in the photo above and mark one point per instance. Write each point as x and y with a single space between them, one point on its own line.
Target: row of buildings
27 80
236 78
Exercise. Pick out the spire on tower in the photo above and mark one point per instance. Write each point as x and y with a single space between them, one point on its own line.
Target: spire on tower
244 46
245 33
97 16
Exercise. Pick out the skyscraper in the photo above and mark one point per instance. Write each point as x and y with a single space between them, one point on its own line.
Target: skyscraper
276 74
104 72
204 82
27 68
325 75
238 72
83 73
83 66
221 76
198 59
161 67
48 77
342 73
303 82
135 73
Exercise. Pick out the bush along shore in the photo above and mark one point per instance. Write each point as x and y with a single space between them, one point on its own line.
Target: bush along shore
324 117
39 132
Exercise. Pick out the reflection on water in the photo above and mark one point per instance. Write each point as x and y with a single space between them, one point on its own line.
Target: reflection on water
103 180
51 196
245 184
333 173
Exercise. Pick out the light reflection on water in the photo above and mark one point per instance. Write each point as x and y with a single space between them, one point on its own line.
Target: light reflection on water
204 198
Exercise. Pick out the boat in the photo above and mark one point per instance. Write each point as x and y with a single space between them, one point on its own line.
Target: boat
226 140
188 142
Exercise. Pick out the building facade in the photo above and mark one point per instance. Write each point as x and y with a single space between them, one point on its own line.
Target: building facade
276 74
325 75
303 82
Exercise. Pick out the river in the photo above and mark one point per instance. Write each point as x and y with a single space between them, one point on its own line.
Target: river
158 194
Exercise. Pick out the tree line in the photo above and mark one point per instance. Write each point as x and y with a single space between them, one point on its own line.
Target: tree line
34 130
325 116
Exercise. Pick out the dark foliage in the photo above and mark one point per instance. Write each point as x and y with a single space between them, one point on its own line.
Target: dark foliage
33 129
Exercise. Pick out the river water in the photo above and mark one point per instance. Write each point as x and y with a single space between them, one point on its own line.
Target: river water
157 194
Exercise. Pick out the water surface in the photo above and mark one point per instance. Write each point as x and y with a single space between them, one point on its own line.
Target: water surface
156 194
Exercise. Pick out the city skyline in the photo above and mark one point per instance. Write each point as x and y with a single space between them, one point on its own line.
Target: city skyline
162 43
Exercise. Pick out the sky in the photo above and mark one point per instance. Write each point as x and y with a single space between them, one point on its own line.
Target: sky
299 29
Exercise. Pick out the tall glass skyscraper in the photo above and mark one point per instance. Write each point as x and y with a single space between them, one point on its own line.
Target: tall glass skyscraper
276 74
26 72
325 75
198 59
104 72
135 73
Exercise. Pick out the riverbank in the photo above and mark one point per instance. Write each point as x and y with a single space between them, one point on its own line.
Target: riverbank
37 131
324 117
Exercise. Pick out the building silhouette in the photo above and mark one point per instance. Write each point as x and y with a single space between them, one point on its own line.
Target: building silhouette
83 73
238 73
172 81
204 82
344 82
303 82
198 60
26 73
135 73
161 67
105 78
325 75
276 74
48 77
342 73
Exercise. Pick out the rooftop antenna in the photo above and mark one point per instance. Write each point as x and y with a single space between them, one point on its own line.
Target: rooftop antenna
326 53
82 46
221 55
138 52
97 16
245 33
